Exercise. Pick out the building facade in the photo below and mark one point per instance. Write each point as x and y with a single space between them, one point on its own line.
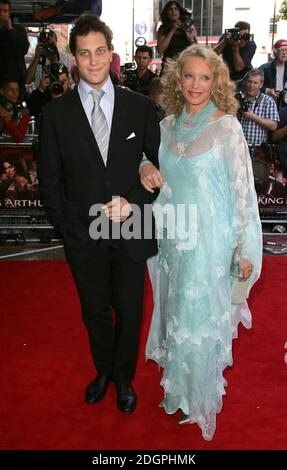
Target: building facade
136 21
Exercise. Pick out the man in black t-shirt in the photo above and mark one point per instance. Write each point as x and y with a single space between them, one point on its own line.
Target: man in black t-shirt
142 75
237 52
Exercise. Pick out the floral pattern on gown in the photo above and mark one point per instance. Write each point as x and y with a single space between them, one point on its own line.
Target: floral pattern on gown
207 166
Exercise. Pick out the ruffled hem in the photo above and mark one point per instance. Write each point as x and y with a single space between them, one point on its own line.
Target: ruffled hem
189 405
207 428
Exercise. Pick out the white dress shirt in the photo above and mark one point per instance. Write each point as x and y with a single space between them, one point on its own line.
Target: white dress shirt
107 102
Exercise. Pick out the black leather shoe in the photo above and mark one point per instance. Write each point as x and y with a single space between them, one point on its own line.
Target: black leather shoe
126 397
96 390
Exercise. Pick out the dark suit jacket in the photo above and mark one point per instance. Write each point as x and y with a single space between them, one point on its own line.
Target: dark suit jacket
269 70
73 176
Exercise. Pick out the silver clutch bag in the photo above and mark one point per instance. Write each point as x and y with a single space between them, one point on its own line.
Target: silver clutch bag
239 288
239 291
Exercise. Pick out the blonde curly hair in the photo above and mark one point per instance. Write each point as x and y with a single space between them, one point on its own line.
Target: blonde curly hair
172 99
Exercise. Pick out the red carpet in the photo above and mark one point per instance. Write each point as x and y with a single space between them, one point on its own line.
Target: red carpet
46 366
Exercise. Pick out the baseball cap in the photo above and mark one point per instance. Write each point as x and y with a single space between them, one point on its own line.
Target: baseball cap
280 43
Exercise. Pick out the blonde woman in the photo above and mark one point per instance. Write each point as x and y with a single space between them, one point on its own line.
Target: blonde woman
207 209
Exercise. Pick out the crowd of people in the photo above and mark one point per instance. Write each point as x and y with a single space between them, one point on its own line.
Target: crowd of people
176 144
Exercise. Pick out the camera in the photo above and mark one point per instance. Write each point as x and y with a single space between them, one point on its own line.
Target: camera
237 36
49 48
243 102
187 20
54 70
281 98
130 76
18 109
6 104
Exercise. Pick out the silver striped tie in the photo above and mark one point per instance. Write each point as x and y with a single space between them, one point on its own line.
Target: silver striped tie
99 125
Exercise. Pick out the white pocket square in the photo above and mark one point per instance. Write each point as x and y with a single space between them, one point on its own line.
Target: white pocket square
131 136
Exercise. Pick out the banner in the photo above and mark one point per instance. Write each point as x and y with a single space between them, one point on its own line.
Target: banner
269 164
19 186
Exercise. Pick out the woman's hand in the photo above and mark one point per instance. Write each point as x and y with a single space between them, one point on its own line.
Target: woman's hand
191 34
246 268
175 24
150 177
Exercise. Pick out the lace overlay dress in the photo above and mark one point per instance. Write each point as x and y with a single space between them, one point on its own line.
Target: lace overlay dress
206 167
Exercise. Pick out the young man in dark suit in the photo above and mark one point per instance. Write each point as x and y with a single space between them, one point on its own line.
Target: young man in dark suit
74 175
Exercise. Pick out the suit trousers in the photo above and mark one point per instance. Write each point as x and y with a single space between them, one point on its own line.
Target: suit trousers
111 288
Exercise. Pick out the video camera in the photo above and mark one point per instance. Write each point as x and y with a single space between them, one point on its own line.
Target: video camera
130 76
54 70
237 36
187 20
243 102
49 48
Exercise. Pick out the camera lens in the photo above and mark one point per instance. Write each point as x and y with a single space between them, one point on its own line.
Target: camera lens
57 88
245 36
131 79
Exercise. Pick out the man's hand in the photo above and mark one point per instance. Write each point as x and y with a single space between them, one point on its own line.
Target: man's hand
39 51
118 209
227 36
44 83
150 177
249 115
5 115
271 92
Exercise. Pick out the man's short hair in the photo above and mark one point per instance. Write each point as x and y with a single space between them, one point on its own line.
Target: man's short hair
7 2
6 80
86 24
255 73
242 25
144 49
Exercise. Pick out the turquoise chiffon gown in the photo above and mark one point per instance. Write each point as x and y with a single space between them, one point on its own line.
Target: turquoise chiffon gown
207 205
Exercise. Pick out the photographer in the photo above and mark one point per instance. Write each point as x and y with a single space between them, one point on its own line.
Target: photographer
14 116
14 45
54 83
275 74
258 112
46 53
176 32
237 50
139 80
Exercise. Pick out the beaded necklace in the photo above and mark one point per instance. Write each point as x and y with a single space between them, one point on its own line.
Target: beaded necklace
189 126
